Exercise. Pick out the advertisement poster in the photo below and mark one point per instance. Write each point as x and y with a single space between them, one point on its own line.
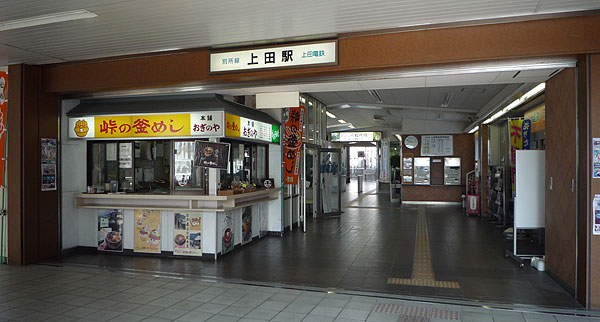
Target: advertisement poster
246 225
227 229
526 131
516 143
48 160
384 174
211 154
125 156
110 230
596 216
187 235
294 123
3 104
537 115
437 145
147 231
596 158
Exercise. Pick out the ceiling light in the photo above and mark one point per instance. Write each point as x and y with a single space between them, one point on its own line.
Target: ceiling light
475 129
399 137
447 99
532 93
330 115
191 89
341 121
351 126
46 19
375 95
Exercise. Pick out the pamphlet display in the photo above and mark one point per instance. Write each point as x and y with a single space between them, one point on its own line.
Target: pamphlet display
422 171
187 235
147 231
452 171
110 230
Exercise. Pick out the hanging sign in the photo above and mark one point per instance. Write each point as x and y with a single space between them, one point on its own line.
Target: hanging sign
437 145
516 143
526 130
3 104
201 124
355 136
187 234
275 57
241 127
294 124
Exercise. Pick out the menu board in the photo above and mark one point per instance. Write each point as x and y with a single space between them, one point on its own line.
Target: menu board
422 171
452 171
147 231
436 145
187 235
110 230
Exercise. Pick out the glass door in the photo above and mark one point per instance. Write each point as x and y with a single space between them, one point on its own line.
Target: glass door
329 197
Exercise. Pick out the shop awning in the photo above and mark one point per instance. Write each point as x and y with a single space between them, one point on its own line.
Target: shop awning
166 104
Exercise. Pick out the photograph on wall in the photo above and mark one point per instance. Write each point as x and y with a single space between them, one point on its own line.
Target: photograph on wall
211 154
246 225
48 177
227 232
147 231
596 158
596 215
110 230
187 235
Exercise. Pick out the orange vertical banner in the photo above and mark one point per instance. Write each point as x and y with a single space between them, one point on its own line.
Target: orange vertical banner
294 124
3 103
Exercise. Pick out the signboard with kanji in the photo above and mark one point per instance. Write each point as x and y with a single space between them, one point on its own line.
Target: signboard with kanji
294 123
275 57
241 127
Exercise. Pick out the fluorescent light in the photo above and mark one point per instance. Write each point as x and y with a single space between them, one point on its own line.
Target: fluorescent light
330 115
46 19
191 89
351 126
399 137
447 99
341 121
475 129
375 95
532 93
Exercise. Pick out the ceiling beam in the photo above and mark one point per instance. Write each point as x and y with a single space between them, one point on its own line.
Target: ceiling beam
376 106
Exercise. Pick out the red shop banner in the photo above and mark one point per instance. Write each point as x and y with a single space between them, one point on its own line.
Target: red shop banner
3 103
294 123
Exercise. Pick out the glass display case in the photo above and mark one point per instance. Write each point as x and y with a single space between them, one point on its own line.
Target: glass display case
422 172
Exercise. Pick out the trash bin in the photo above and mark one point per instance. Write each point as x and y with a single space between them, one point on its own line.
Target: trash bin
360 179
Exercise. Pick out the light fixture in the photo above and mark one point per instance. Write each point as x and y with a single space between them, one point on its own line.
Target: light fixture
532 93
375 95
190 89
475 129
399 137
341 121
46 19
447 99
350 126
330 114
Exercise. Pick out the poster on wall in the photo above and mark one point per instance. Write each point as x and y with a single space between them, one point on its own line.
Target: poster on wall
294 124
125 156
147 231
187 234
515 128
246 225
526 131
384 174
596 158
110 230
211 154
596 215
48 160
437 145
227 239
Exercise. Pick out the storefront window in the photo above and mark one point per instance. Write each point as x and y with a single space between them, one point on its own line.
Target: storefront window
248 165
187 178
153 166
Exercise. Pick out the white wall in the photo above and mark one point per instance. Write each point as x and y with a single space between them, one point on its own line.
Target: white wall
274 208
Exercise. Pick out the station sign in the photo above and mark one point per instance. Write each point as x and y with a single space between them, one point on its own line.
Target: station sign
318 53
355 136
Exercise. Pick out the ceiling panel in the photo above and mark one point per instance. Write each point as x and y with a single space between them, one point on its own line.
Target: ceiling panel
139 26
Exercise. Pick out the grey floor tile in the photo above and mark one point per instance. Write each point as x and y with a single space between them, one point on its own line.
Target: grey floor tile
147 310
222 318
238 311
211 308
187 305
164 301
195 316
326 311
155 319
317 318
352 314
476 317
382 317
171 314
273 305
539 317
261 314
289 317
80 312
359 306
565 318
61 318
129 317
103 315
34 317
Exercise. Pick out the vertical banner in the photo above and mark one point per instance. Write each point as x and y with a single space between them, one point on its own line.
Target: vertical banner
294 124
526 130
227 232
596 215
110 230
147 231
515 128
596 158
3 104
384 174
246 225
187 235
48 160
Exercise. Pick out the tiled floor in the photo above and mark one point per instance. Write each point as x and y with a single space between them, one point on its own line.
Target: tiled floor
371 247
47 293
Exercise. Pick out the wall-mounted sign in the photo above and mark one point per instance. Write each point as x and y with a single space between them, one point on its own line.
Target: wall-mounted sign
294 124
436 145
202 124
355 136
537 115
211 154
275 57
241 127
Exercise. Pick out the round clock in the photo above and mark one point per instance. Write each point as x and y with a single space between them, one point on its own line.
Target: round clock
411 142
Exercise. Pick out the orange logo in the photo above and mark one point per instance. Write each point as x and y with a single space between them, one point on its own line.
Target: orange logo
81 128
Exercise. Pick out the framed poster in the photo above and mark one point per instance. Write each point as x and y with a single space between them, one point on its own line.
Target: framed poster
187 234
227 232
110 230
211 154
147 231
246 225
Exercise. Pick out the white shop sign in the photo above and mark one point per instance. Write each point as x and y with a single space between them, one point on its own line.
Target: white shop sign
208 124
257 130
275 57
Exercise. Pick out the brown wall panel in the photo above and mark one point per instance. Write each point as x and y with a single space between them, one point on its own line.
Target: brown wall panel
583 182
594 123
464 147
14 156
561 166
357 54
